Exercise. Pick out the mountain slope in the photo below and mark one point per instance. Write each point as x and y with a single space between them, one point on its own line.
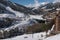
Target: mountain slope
17 18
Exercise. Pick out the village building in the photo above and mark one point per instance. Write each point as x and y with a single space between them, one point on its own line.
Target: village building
57 23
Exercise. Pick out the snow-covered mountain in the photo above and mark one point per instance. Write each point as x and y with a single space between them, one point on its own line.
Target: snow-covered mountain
16 11
17 17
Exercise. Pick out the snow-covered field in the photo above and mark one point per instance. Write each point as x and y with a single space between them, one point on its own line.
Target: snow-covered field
35 36
56 37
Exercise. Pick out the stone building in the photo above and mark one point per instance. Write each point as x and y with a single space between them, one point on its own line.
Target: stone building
57 23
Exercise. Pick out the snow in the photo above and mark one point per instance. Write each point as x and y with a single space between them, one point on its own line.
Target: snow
6 16
17 13
3 15
56 37
35 36
35 5
47 9
37 17
44 3
52 28
26 22
58 9
56 1
20 25
49 31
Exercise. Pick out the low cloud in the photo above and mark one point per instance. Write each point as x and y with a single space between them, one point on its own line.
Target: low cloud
36 4
56 0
